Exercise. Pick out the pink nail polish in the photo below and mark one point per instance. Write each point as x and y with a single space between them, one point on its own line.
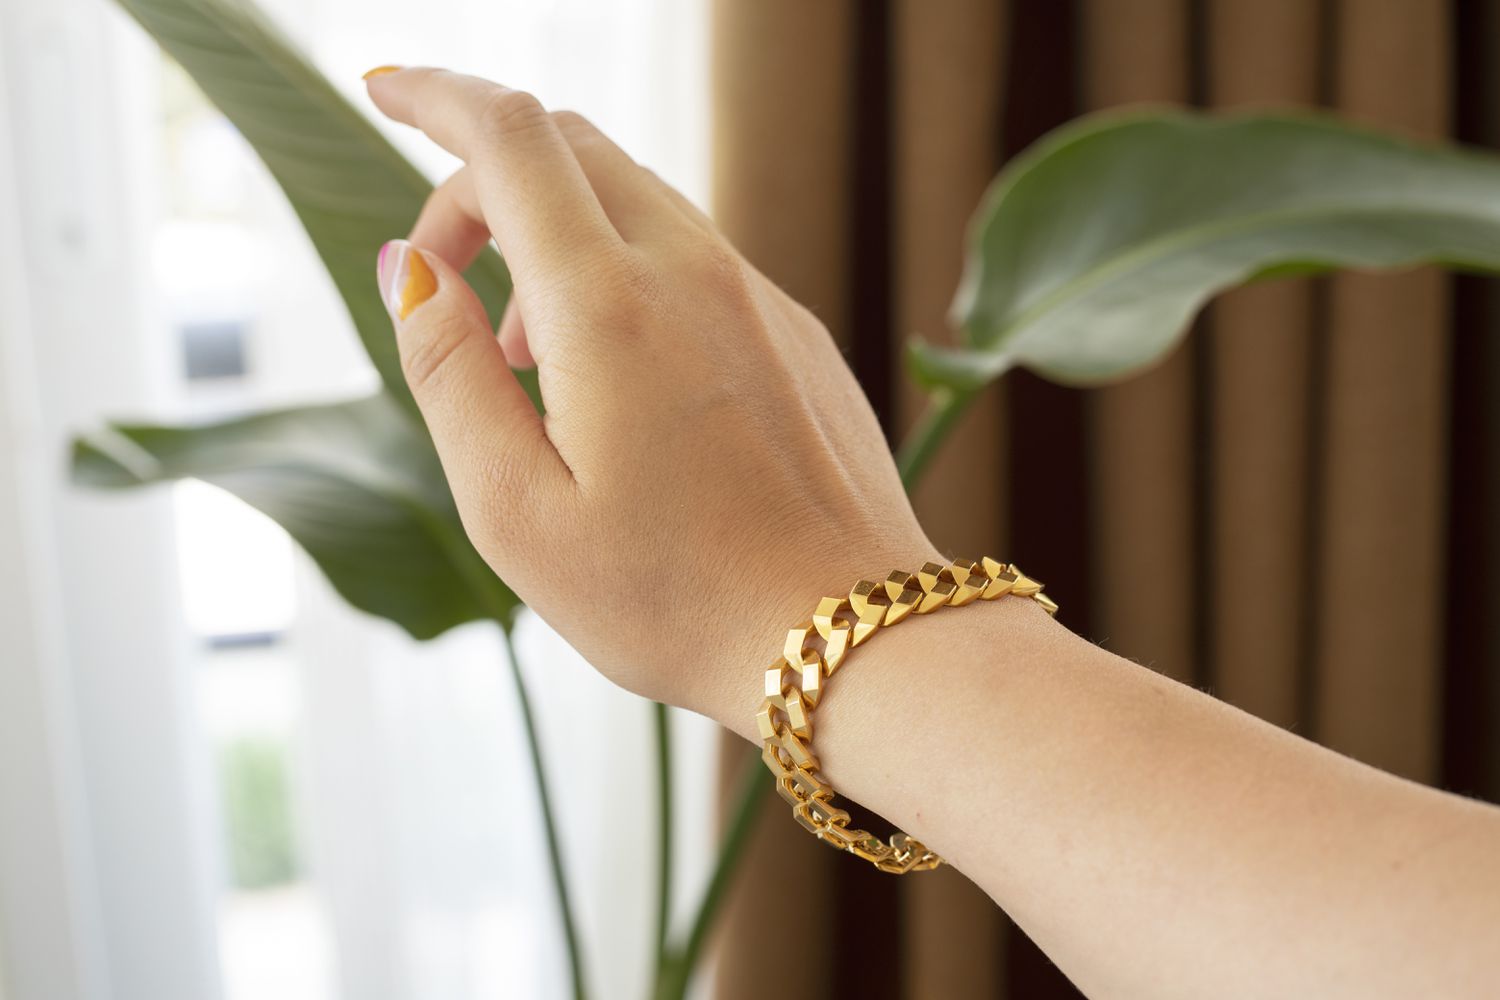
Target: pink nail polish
380 262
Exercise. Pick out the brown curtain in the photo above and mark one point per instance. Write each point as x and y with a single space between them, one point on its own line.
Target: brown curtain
1311 481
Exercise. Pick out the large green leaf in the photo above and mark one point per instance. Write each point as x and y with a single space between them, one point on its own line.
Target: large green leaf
356 484
350 187
1090 254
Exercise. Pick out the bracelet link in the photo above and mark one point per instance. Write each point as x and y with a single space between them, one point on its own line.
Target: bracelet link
837 633
938 582
868 601
794 684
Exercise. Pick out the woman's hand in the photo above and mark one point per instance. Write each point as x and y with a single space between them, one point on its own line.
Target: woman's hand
707 467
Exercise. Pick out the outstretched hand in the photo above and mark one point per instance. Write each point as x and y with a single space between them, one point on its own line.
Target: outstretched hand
707 467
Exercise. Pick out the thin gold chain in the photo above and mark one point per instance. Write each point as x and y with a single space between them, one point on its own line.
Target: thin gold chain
795 683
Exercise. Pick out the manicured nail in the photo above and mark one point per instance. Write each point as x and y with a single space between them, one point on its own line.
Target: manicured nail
381 71
406 279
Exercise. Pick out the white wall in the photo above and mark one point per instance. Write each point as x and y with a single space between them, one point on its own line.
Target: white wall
37 908
107 889
39 902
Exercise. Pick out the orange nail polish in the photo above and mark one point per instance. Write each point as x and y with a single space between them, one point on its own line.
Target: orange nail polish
419 285
406 279
381 71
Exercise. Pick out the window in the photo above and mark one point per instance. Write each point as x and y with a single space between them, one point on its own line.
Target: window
260 792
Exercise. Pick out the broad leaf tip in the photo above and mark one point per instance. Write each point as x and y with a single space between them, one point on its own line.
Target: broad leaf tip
109 459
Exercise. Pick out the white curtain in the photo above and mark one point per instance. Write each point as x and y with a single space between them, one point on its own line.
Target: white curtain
426 869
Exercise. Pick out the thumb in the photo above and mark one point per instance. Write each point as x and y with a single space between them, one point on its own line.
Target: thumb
488 435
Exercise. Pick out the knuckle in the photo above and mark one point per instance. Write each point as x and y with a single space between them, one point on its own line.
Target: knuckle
572 124
638 286
581 134
508 112
721 275
626 289
430 352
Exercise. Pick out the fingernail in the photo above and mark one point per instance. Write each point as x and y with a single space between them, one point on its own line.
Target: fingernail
380 71
406 279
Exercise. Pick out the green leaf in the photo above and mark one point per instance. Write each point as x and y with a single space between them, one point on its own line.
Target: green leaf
356 484
350 187
1091 253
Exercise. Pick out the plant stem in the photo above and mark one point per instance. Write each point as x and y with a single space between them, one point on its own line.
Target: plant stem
944 407
664 835
549 823
755 782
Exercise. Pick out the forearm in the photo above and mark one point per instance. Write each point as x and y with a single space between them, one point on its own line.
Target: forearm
1152 840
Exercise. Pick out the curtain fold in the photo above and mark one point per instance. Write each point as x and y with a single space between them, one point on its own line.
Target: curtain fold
1257 380
1141 432
1309 480
1471 757
1381 501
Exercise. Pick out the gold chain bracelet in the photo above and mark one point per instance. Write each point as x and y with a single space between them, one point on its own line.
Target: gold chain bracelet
795 683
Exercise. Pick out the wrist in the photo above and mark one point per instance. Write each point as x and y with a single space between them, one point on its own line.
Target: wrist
889 705
734 689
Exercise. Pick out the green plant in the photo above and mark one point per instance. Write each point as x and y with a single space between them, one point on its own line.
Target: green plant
1091 252
253 778
1086 262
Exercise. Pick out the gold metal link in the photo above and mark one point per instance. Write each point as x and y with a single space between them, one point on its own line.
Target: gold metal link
802 816
765 720
938 586
796 648
969 582
807 785
868 601
1024 586
786 698
818 814
836 631
797 750
794 685
812 677
896 866
871 849
826 813
904 592
771 753
840 838
808 663
1001 578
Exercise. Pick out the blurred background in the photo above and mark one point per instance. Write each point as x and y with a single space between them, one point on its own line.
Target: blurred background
216 781
1296 511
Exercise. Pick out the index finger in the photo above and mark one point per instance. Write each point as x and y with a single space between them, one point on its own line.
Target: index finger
534 195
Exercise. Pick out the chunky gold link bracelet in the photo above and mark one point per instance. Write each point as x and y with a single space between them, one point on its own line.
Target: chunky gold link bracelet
794 685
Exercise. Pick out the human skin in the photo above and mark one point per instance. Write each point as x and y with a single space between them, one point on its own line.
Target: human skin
708 469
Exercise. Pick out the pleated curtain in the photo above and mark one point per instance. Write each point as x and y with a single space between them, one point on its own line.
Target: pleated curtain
1297 511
